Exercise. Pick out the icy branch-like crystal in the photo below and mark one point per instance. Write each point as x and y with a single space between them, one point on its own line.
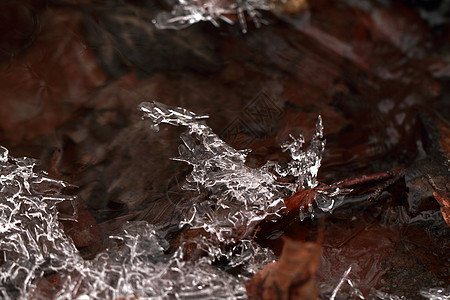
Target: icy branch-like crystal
240 196
437 293
134 265
34 248
188 12
30 235
173 116
304 164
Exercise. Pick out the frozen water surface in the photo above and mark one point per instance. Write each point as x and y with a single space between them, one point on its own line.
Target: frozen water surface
136 262
35 246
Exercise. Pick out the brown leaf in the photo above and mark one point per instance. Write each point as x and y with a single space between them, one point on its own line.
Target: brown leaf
444 140
46 82
84 231
291 277
444 202
442 197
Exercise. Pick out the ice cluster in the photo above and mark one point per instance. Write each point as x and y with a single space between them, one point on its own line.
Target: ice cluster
239 196
188 12
437 293
39 261
135 265
32 241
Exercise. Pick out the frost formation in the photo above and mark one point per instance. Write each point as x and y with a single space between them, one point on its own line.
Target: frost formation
32 240
239 196
188 12
39 261
135 265
437 293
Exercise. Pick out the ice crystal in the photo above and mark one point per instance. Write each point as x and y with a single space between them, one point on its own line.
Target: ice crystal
252 257
136 262
354 293
304 164
188 12
31 239
34 247
438 293
134 265
239 196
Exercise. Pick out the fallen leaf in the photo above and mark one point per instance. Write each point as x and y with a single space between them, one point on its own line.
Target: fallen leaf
49 79
291 277
84 231
442 197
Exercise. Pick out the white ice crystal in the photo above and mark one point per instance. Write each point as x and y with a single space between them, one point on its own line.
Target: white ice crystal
34 246
239 196
137 261
188 12
437 293
32 240
134 265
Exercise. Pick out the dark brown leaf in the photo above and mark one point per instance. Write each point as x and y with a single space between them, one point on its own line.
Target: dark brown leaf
291 277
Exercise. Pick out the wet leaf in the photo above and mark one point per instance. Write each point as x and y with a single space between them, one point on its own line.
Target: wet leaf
443 198
41 86
292 276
